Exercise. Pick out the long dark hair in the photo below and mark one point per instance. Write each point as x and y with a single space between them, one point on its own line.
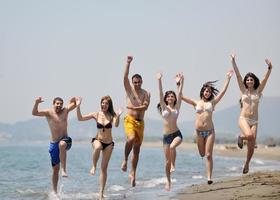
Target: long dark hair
111 107
209 85
165 101
256 80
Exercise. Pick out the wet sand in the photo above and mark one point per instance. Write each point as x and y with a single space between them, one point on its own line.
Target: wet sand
255 186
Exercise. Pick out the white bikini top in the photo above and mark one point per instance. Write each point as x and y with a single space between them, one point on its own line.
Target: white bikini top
173 113
207 106
250 98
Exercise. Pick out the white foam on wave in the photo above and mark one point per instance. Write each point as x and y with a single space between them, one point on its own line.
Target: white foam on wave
260 162
233 168
116 188
27 191
197 177
154 182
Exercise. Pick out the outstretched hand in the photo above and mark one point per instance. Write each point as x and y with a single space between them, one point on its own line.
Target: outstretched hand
179 77
232 57
159 76
230 73
78 101
119 111
269 64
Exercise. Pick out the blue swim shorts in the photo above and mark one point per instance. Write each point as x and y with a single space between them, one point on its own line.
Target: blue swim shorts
168 139
54 149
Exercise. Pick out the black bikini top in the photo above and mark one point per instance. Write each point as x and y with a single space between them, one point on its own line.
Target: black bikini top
99 125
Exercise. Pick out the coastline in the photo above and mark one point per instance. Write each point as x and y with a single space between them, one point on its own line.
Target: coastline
256 186
259 185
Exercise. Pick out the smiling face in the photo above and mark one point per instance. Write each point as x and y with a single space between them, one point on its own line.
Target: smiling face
137 83
170 98
58 106
250 82
104 105
207 93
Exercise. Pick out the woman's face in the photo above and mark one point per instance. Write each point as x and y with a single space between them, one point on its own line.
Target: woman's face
170 98
250 82
104 105
207 93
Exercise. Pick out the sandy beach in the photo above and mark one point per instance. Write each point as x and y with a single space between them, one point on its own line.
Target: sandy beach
258 186
255 186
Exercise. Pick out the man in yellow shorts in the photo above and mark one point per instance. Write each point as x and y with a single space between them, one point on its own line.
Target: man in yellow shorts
138 101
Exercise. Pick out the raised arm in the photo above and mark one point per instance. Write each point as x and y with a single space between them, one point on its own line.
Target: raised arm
267 74
238 76
72 104
180 83
126 82
184 98
222 93
81 117
35 110
161 97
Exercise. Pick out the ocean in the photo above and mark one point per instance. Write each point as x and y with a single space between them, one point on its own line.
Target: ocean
26 173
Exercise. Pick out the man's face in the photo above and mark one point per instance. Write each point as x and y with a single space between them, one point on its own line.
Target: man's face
58 105
137 83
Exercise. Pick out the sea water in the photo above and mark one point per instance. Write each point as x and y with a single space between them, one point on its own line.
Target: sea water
26 172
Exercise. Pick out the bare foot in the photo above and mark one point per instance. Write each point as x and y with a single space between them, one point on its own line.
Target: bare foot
64 174
101 197
245 169
92 171
132 180
124 166
167 186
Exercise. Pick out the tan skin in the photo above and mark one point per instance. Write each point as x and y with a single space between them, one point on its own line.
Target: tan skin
102 117
249 109
204 122
170 126
57 121
138 101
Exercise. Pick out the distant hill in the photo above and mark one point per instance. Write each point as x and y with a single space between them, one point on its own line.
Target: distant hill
226 126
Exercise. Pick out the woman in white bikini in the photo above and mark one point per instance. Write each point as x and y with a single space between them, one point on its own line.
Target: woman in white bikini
205 132
103 141
251 91
169 107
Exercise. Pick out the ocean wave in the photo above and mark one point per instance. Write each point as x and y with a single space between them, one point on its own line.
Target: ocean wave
116 188
197 177
154 182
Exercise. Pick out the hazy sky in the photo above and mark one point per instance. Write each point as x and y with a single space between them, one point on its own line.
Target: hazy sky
78 48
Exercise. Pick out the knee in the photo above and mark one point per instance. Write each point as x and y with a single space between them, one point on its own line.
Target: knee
56 169
209 156
62 145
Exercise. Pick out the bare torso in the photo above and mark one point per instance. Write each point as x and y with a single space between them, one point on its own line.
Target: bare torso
250 104
135 99
58 124
104 135
203 119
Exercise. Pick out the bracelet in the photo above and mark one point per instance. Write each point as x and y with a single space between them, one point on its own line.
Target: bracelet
269 67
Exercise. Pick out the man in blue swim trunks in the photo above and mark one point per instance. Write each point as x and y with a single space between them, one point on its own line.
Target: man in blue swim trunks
57 118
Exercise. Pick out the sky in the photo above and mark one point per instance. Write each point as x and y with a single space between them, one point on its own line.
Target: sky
72 48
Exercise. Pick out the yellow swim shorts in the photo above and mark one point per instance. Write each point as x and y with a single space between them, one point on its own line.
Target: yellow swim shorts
134 127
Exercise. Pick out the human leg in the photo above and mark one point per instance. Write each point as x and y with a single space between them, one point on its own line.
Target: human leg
210 139
128 147
97 147
250 149
167 153
55 176
103 170
134 162
175 143
63 156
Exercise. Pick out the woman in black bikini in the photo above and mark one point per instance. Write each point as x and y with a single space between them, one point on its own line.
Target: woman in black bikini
103 141
251 89
205 133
